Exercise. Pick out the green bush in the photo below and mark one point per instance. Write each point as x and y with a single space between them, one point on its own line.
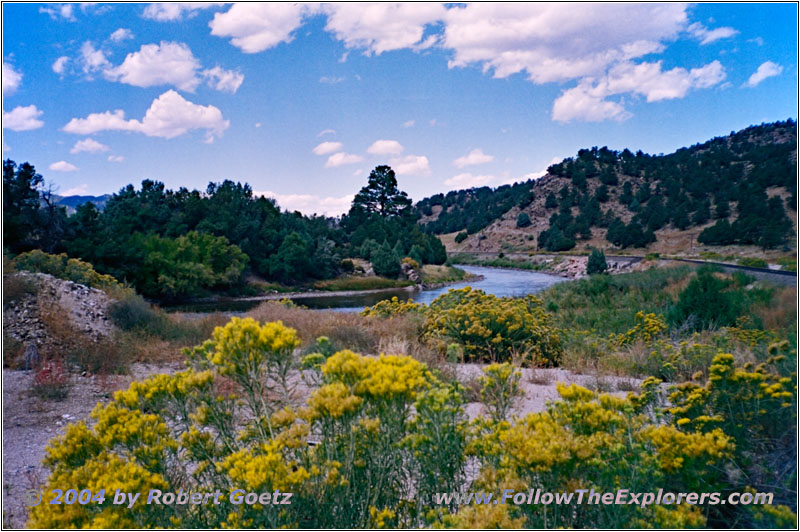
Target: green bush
460 237
706 302
133 312
752 262
385 262
523 220
62 267
596 263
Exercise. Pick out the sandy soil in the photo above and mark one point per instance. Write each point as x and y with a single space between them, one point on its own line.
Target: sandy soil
29 423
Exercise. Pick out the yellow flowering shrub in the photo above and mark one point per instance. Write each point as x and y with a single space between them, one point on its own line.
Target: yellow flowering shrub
392 307
377 436
494 328
62 267
648 327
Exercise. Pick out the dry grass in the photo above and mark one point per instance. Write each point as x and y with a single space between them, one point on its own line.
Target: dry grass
781 312
15 287
539 376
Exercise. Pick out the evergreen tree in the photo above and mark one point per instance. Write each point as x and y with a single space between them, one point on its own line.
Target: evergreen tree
597 262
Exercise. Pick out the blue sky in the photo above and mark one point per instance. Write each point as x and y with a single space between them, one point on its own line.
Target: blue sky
301 101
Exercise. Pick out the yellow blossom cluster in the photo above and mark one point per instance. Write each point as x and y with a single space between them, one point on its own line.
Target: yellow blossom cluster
648 327
392 307
494 328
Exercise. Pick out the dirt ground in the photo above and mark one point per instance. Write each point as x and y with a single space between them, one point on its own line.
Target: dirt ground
29 422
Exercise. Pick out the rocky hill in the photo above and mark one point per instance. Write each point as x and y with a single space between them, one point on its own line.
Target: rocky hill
43 311
733 195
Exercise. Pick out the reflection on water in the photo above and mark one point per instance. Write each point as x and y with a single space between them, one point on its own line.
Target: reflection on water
498 281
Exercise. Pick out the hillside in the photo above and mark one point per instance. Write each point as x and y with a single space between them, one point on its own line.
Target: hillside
733 195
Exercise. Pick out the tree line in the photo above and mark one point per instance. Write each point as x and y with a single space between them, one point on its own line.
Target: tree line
178 243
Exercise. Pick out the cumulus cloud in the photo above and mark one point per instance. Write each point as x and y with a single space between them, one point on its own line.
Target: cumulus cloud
60 65
170 12
474 157
169 116
22 118
223 80
63 11
341 158
93 59
324 148
310 204
467 180
88 145
379 28
168 63
707 36
556 42
410 165
115 158
385 147
764 71
121 34
255 27
11 79
588 101
63 166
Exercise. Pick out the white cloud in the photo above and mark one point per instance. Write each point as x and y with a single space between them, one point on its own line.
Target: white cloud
255 27
310 204
331 80
467 180
121 34
379 28
168 63
385 147
93 59
474 157
765 70
11 79
65 11
223 80
707 36
410 165
557 42
60 64
325 148
80 190
758 41
588 102
410 123
169 116
257 124
88 145
341 158
115 158
326 132
170 12
22 118
63 166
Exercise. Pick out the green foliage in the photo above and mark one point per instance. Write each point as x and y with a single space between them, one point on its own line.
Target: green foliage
523 220
753 262
460 237
596 263
494 329
188 265
706 302
62 267
385 262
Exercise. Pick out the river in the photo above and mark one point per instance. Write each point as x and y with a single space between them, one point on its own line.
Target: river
498 281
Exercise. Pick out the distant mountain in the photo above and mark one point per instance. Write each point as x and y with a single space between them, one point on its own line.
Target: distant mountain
73 202
736 190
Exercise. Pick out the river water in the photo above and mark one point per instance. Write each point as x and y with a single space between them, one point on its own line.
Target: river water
498 281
